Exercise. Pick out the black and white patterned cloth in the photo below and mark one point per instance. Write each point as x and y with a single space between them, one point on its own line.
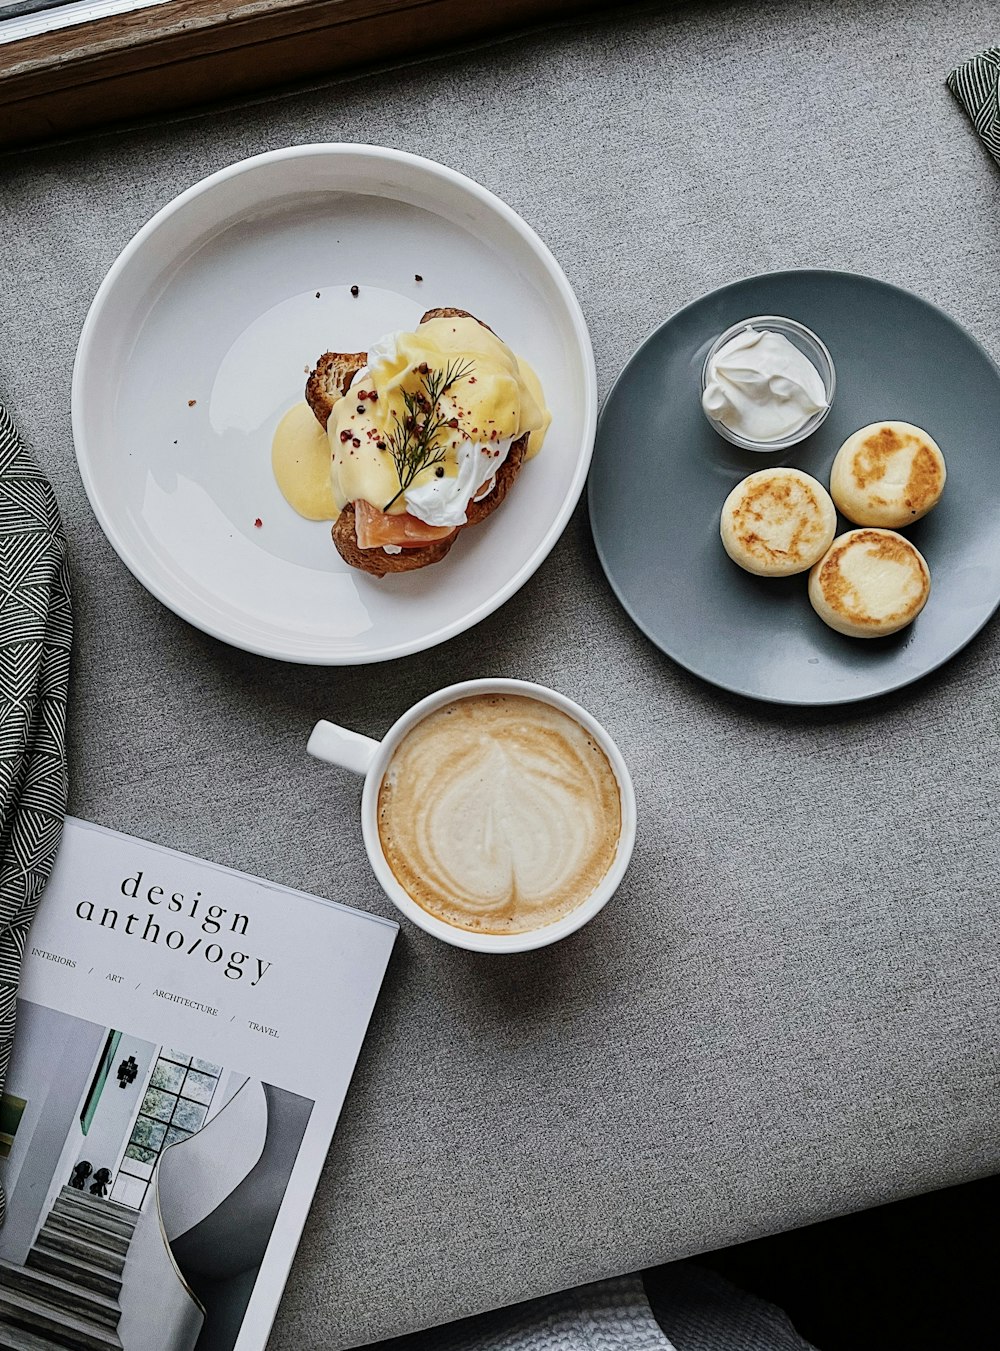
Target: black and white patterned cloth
976 85
36 630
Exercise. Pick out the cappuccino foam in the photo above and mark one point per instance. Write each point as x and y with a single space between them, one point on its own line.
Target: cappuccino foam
499 813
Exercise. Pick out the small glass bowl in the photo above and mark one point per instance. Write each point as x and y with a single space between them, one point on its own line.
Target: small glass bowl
809 345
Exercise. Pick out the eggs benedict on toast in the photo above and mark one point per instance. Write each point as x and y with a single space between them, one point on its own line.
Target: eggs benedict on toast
423 435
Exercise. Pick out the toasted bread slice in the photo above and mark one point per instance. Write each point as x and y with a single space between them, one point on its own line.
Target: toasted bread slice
449 312
330 379
869 583
377 562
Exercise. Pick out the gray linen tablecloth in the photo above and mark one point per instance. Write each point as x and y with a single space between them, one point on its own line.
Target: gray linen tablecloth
791 1008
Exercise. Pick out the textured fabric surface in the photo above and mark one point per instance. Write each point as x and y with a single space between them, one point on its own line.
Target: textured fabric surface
703 1311
976 85
610 1316
792 1006
36 632
691 1309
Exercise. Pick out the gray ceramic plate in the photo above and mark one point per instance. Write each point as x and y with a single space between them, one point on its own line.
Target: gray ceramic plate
660 475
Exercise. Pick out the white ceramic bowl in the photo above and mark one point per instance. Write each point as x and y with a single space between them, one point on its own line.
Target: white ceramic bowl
215 300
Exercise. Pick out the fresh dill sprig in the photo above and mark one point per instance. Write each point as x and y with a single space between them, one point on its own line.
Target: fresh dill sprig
413 441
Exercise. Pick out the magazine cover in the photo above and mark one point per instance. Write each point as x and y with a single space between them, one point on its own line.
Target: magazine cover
185 1038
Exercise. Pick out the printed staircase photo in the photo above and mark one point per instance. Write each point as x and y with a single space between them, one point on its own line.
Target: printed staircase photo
66 1295
144 1183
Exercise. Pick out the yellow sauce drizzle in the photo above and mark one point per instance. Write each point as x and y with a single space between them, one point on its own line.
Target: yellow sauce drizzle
300 458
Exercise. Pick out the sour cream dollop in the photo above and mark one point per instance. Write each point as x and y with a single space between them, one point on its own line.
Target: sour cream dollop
762 387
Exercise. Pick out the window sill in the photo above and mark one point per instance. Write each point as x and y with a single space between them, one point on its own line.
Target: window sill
188 52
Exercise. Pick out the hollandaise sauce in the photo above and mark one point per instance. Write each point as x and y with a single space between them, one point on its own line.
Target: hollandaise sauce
451 377
300 458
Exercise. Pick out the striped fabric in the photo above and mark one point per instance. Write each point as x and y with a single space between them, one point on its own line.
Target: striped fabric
35 634
976 85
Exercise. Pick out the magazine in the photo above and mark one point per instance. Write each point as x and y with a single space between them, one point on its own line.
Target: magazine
185 1038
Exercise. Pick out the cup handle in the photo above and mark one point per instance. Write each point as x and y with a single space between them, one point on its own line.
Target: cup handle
338 746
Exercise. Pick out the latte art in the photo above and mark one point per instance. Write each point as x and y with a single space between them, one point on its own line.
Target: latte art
499 813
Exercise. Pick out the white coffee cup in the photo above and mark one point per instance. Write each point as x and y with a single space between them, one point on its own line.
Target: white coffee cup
371 758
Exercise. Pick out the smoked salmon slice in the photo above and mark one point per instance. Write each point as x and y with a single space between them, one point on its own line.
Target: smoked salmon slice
376 528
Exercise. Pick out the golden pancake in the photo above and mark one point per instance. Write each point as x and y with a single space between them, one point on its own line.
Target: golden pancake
869 583
778 522
887 474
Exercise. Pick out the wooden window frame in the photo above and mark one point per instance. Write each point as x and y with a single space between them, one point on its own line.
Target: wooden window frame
190 52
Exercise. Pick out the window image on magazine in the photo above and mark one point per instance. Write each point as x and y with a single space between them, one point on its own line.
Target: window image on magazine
185 1038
